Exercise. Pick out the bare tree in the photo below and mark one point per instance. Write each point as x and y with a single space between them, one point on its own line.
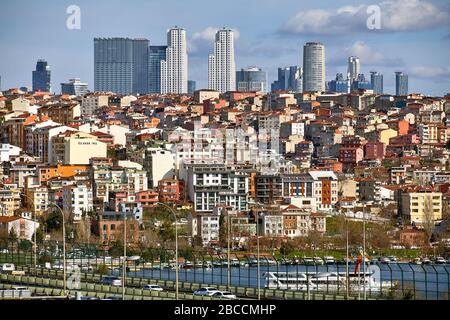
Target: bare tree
428 216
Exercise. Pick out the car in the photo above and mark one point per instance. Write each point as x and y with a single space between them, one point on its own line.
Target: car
224 295
4 251
385 260
111 281
8 267
89 298
440 260
113 298
205 291
152 287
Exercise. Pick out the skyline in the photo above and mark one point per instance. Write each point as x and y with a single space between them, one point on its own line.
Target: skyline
418 49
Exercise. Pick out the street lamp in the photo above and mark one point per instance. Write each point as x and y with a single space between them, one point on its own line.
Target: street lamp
64 244
35 230
176 246
256 204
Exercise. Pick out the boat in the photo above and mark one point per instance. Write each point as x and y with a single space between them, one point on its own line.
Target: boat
325 281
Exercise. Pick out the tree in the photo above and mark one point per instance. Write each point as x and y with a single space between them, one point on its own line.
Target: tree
166 231
428 217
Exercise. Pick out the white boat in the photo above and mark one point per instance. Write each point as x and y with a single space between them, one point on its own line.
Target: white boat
325 281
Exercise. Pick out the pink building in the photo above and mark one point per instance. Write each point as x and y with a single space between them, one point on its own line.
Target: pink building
374 150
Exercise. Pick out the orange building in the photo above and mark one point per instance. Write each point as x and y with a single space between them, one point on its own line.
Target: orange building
62 171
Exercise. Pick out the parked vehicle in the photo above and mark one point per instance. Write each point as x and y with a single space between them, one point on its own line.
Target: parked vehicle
426 260
152 287
393 258
440 260
385 260
111 281
329 260
224 295
417 261
7 267
206 291
318 261
308 261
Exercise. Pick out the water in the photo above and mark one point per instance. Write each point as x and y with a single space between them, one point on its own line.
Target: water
426 281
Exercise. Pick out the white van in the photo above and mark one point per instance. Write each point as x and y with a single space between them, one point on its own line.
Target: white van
7 267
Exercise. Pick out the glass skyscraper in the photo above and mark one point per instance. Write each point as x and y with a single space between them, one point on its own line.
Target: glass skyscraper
376 79
121 65
251 79
340 84
313 67
155 55
42 77
401 84
140 66
289 78
191 86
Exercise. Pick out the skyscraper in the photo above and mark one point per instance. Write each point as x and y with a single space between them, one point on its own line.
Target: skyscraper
361 83
121 65
174 69
376 79
42 77
140 66
221 65
113 65
289 78
313 67
74 87
401 84
156 54
354 68
191 86
251 79
340 84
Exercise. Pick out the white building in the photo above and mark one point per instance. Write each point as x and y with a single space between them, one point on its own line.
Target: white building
174 69
77 199
159 164
221 64
91 102
23 228
7 151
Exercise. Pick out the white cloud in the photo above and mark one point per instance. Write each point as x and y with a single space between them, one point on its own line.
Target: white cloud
396 15
202 41
430 72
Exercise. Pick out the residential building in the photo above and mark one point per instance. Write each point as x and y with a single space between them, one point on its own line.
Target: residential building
74 87
174 69
221 64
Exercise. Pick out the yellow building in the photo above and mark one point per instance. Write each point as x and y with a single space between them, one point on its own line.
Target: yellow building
37 199
76 148
386 134
421 206
9 200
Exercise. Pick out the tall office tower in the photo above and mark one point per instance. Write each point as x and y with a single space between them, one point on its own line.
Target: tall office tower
113 65
289 78
376 79
401 84
174 69
121 65
42 77
74 87
354 68
313 67
156 54
251 79
221 65
140 66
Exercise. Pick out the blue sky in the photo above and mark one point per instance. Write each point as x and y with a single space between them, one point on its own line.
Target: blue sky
414 36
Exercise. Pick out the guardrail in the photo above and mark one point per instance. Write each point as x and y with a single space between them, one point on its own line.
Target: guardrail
154 265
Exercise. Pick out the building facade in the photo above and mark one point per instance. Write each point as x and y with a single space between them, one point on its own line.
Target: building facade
313 67
221 64
174 69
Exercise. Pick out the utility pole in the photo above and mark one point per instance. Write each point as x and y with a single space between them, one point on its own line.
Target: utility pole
124 265
346 261
364 253
228 249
